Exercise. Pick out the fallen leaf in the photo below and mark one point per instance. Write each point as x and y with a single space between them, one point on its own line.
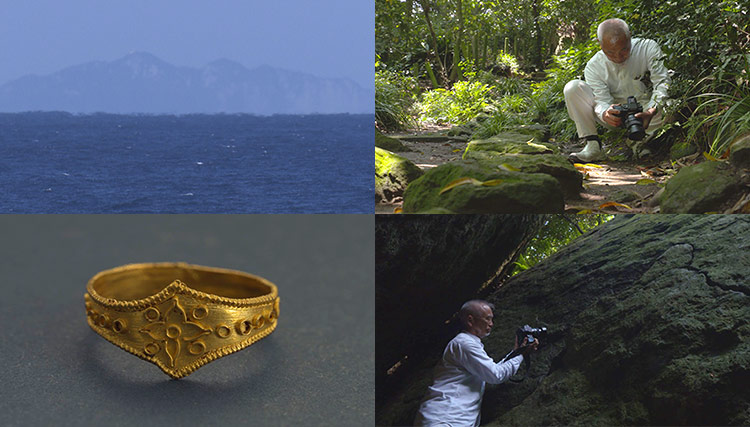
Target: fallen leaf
710 157
492 182
608 204
645 181
457 150
539 146
460 181
726 154
584 211
508 167
398 210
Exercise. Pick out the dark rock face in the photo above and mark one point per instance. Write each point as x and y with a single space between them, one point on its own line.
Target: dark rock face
648 320
424 265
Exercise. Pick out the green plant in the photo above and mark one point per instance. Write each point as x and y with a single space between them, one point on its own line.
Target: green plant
507 62
722 117
394 99
456 106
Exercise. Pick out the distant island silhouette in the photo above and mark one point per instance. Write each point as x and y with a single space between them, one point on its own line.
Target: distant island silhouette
142 83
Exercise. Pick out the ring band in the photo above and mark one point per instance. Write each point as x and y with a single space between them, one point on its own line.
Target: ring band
180 316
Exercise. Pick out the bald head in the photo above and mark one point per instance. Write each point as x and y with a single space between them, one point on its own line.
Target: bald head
476 317
612 30
614 39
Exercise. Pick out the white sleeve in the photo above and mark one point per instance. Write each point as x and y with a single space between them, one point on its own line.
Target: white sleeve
475 360
596 77
659 76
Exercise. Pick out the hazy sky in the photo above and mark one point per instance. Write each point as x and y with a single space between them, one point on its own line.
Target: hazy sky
327 38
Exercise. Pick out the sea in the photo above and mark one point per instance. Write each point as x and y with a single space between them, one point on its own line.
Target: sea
52 162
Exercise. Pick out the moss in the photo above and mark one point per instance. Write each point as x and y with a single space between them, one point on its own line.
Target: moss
388 143
510 143
681 149
392 174
700 188
556 166
517 193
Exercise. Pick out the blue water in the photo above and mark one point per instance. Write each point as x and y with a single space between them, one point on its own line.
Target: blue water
106 163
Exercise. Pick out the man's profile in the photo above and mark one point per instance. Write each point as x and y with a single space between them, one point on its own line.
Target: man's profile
455 397
623 67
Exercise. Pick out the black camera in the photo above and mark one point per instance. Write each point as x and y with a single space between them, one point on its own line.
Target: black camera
530 334
633 124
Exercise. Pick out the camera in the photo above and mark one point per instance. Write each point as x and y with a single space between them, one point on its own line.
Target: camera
530 334
627 113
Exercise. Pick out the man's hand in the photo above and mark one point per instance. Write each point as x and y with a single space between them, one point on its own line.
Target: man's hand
646 116
532 346
611 116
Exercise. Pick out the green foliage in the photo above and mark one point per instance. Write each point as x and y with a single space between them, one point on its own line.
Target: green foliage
394 98
559 231
507 61
456 106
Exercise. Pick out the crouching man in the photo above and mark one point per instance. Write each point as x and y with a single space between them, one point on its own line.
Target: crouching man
455 397
623 67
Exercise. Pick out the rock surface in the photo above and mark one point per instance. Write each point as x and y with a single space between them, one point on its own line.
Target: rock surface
390 144
700 188
739 155
510 143
470 250
516 193
648 324
392 174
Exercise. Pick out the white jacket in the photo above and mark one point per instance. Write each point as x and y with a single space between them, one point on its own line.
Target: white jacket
613 83
455 397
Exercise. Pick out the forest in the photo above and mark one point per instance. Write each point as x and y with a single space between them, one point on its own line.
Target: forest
469 93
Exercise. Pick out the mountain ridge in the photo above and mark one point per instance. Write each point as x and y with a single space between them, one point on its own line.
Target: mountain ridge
140 82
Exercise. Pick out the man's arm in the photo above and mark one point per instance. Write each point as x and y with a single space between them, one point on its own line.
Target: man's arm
596 78
477 362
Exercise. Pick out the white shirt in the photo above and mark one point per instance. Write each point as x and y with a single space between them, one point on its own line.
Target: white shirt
455 397
613 83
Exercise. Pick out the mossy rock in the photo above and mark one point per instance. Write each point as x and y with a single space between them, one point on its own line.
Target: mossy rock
441 211
681 149
509 143
390 144
538 131
459 131
517 193
700 188
392 174
739 154
625 196
554 165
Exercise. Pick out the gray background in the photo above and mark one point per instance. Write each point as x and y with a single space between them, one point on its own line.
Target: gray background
315 369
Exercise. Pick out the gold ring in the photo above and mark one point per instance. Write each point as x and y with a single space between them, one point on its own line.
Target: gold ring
180 316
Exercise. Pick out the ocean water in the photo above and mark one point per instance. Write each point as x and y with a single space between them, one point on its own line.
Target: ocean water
107 163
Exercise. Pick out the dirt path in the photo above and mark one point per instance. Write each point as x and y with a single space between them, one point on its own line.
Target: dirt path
632 185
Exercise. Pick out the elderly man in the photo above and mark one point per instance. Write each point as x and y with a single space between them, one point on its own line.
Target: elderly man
455 397
623 67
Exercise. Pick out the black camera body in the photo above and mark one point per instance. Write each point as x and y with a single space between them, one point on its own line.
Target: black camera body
531 334
633 124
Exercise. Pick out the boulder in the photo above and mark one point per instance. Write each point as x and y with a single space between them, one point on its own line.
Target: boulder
538 131
471 249
557 166
509 143
700 188
739 154
390 144
516 193
681 149
647 319
392 174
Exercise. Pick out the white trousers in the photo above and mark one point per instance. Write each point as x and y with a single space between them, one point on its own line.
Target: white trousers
579 98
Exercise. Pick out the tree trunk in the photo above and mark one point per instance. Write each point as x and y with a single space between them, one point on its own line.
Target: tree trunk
434 51
457 47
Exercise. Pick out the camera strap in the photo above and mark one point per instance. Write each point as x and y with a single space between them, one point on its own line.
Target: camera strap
526 362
